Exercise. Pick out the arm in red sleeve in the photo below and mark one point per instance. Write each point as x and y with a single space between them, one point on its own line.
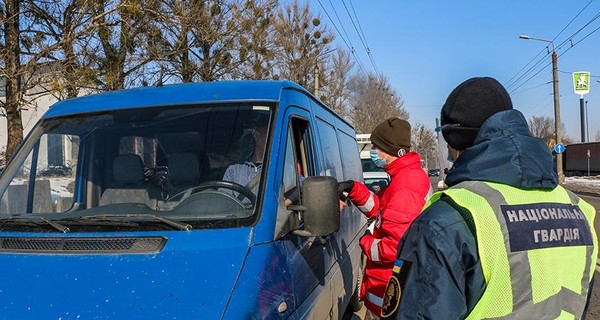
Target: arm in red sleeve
365 199
403 208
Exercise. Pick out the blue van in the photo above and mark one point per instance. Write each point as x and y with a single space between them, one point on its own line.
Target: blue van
193 201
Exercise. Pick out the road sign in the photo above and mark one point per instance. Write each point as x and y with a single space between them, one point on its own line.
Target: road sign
581 82
559 148
588 153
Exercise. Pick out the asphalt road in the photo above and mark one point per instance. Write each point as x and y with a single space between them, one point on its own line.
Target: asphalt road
594 307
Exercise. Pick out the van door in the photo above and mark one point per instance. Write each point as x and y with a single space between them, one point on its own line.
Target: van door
307 256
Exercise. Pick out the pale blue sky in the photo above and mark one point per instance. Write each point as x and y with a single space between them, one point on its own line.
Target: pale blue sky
427 48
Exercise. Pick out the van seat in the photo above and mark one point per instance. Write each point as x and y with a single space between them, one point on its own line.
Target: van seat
184 168
128 179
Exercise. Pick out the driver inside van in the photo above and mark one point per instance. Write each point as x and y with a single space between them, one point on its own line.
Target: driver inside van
246 172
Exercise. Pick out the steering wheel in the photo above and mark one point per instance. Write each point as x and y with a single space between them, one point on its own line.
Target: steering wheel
217 184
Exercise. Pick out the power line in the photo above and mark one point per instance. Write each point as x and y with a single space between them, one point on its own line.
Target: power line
580 29
576 43
535 74
540 61
351 48
340 21
357 21
540 85
509 84
570 38
512 84
577 15
362 38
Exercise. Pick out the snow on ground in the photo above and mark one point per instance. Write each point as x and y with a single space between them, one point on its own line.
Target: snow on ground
583 184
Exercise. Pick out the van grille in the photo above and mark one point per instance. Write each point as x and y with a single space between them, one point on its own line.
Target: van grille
82 245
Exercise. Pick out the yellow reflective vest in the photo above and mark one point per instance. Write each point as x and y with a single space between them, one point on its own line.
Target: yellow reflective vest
537 249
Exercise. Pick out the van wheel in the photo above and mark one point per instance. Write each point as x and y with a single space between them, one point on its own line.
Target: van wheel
355 304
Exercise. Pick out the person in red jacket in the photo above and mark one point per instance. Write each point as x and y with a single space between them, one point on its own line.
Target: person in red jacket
393 208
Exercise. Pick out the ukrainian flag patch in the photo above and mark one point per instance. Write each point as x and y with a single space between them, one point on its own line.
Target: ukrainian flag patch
397 266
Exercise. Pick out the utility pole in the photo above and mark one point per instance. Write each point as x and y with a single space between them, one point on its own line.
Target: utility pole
316 92
317 80
559 162
558 139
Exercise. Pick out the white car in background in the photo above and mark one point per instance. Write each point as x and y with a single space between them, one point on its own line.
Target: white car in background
375 178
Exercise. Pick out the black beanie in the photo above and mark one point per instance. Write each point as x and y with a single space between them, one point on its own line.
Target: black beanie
468 106
392 135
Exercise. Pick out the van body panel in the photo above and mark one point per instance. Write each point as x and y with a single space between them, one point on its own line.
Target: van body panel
264 284
238 264
176 94
192 277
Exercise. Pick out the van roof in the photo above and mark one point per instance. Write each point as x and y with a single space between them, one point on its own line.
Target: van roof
175 94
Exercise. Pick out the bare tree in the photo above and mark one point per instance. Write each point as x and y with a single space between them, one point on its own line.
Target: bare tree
424 142
372 100
597 136
302 44
335 90
543 128
67 27
12 70
31 46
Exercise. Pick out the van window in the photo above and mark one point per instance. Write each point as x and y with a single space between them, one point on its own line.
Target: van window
50 170
185 163
298 164
350 156
332 165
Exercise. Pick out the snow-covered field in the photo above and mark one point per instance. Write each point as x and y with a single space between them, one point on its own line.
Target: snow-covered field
583 184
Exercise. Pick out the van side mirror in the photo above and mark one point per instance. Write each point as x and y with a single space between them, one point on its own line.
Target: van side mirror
320 206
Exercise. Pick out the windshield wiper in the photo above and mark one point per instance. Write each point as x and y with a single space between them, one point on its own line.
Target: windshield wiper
32 219
169 222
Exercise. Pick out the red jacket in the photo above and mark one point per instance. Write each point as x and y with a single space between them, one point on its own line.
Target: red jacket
393 208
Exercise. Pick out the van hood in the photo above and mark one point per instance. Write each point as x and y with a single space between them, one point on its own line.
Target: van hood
191 277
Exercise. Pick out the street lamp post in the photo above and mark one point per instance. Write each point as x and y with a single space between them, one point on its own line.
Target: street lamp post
557 129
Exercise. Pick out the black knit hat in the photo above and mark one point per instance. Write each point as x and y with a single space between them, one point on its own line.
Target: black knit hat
392 135
468 106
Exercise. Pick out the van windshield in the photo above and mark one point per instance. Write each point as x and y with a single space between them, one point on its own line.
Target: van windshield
153 168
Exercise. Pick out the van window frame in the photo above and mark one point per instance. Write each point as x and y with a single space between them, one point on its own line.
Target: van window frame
303 153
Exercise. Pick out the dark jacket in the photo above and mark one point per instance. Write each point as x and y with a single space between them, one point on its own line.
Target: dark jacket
445 280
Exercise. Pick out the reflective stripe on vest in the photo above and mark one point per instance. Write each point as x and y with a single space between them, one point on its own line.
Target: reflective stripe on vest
520 283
